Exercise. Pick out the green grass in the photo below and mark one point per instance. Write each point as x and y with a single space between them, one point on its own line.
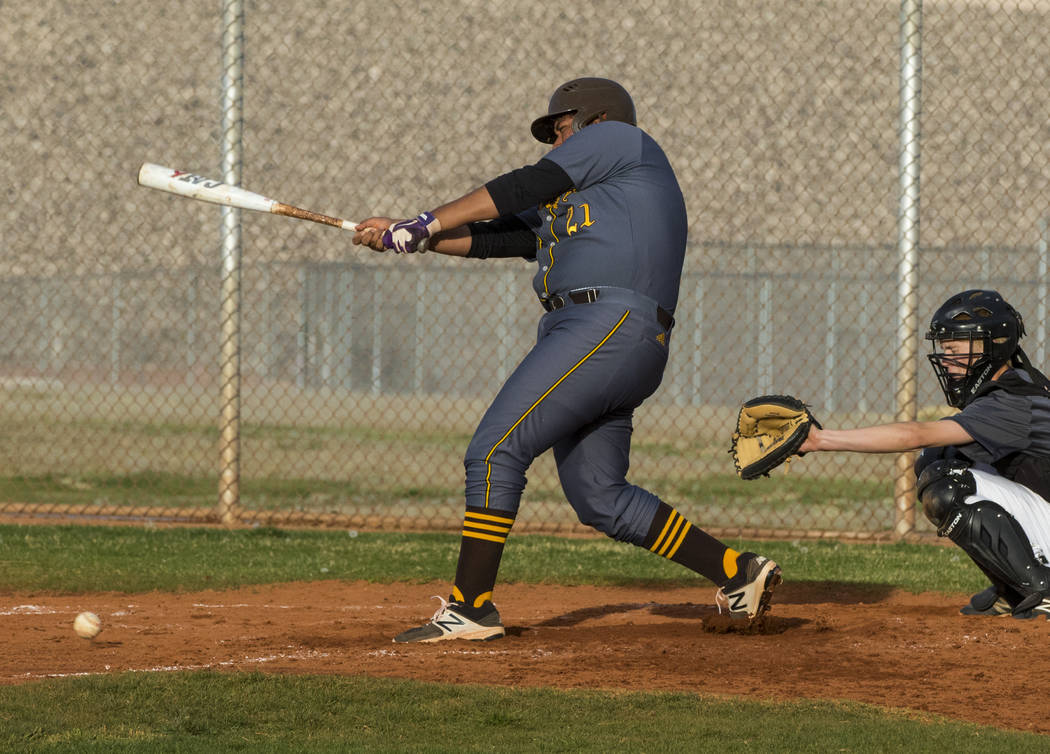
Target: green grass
166 489
137 559
129 488
719 500
263 713
784 490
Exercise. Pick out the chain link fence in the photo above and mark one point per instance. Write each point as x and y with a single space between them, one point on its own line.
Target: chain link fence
795 132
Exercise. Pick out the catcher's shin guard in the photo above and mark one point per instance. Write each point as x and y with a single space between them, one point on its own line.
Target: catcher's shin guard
996 541
984 530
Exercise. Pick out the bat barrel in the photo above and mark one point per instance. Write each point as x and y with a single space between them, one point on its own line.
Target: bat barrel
195 186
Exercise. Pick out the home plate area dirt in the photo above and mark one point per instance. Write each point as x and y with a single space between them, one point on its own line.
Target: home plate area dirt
819 641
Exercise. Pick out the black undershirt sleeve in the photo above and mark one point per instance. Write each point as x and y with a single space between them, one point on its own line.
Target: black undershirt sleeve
513 192
528 186
503 237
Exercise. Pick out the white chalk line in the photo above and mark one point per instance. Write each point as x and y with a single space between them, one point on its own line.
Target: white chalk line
311 654
467 652
59 610
30 610
53 610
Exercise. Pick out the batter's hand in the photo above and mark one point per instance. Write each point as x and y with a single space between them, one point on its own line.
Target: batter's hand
370 232
408 236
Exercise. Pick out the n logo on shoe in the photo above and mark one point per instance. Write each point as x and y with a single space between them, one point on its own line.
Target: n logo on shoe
736 601
449 622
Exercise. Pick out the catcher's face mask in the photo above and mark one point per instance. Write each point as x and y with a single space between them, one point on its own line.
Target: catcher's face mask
960 365
974 333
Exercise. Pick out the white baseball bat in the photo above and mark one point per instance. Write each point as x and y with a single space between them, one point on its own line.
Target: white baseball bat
185 183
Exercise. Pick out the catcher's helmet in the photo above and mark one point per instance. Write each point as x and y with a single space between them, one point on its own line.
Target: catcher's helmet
585 99
973 316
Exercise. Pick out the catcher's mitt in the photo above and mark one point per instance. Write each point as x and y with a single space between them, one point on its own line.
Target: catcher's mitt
769 430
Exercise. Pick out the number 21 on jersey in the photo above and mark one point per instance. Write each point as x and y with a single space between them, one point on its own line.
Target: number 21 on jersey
570 226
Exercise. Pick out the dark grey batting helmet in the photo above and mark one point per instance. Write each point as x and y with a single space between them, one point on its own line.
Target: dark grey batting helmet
585 99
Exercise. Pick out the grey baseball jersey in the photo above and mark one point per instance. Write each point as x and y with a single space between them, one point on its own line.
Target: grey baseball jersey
1002 423
624 224
620 235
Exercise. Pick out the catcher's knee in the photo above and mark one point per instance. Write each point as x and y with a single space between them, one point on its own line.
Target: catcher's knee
930 456
943 487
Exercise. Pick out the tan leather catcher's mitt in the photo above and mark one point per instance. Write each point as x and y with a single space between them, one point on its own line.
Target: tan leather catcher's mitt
769 430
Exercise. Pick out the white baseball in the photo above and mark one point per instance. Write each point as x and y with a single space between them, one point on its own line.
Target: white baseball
87 625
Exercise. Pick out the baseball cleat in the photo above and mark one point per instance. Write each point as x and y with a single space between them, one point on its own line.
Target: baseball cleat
1033 606
1042 610
747 595
451 622
988 602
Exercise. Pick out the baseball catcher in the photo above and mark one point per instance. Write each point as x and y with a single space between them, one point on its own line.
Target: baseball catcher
984 472
770 429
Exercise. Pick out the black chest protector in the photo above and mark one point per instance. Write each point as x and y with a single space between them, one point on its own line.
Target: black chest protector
1031 470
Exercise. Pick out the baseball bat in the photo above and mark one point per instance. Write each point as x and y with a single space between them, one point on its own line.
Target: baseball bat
194 186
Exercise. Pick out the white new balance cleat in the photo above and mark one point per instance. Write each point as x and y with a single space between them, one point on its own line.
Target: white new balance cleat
450 622
747 595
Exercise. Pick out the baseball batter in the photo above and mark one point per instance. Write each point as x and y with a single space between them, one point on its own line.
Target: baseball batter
983 473
604 220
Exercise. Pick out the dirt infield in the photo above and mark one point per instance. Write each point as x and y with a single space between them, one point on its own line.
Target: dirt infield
820 641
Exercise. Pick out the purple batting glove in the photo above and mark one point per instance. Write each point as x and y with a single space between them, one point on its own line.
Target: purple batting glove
409 236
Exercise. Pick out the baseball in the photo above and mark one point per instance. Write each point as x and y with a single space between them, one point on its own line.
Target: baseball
87 625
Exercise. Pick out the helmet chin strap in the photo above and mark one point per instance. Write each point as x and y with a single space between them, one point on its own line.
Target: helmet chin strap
976 384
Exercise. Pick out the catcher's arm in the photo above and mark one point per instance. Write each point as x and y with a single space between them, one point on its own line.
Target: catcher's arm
898 437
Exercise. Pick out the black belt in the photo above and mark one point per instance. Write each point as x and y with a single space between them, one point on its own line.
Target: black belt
590 295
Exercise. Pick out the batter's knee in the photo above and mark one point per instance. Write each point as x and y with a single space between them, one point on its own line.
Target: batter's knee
588 496
600 504
610 521
943 487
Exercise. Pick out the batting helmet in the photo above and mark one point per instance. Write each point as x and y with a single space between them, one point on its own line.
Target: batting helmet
974 316
585 99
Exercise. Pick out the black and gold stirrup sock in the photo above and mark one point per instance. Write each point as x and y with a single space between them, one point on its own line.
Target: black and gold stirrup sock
484 534
672 536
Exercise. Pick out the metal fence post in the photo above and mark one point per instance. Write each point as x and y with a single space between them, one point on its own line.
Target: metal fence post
115 328
419 349
302 330
230 347
377 334
192 348
908 252
1040 317
831 324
